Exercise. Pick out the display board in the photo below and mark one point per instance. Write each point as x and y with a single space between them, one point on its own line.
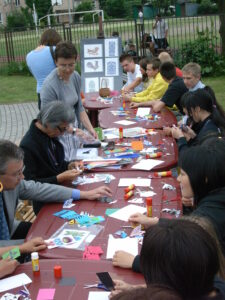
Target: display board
100 66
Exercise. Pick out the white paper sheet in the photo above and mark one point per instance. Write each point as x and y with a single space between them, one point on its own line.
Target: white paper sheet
134 132
98 295
13 282
136 181
143 111
129 245
125 122
147 164
146 194
87 153
125 212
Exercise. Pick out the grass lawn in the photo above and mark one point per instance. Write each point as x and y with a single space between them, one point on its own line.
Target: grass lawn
18 89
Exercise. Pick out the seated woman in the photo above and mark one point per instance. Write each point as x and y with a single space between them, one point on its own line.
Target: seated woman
181 255
63 84
157 88
44 157
206 115
202 178
143 68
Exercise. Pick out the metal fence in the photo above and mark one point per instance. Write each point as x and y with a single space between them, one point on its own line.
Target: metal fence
14 45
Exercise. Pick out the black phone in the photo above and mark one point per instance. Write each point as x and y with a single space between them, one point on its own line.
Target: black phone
106 279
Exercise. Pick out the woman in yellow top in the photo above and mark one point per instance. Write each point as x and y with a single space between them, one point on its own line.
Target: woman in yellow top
157 88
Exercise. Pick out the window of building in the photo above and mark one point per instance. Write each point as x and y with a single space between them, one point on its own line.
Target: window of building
17 2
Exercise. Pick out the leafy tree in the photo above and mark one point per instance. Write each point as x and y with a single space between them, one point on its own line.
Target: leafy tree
84 6
115 8
43 7
221 7
16 19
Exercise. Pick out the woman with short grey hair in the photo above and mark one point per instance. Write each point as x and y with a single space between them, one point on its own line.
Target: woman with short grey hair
44 157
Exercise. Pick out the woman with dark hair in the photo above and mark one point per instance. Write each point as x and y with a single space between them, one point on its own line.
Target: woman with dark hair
181 255
63 84
41 60
207 116
143 68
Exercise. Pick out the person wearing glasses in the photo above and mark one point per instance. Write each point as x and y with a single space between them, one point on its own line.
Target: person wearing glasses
63 84
15 188
44 157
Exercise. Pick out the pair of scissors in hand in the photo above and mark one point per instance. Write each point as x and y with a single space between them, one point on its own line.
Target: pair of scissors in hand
96 285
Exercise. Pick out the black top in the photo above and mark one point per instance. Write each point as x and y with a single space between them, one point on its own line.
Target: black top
203 130
43 156
175 91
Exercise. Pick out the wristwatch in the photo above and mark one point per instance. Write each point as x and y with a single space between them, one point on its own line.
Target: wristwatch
74 131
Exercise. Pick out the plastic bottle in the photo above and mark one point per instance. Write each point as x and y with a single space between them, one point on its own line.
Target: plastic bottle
35 263
149 206
163 174
124 105
153 155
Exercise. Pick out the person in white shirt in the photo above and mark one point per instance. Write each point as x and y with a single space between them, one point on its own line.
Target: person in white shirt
134 76
160 32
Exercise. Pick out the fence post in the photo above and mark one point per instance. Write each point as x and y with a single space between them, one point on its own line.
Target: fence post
136 36
67 32
9 46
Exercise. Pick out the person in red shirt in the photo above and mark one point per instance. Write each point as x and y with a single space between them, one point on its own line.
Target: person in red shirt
165 57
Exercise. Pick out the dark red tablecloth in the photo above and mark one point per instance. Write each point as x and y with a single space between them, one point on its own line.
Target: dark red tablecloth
106 119
84 272
46 224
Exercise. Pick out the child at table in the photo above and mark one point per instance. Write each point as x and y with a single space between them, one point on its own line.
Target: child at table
157 88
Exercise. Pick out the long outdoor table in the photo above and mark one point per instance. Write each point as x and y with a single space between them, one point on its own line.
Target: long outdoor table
166 145
107 119
84 272
93 105
46 224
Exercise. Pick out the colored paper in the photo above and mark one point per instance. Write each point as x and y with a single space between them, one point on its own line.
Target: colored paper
46 294
144 182
143 111
98 295
127 244
12 254
67 281
109 211
147 164
125 212
125 122
13 282
137 145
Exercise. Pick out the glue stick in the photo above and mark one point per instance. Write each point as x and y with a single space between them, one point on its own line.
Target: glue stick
163 174
149 206
121 133
129 188
153 155
128 195
124 104
35 263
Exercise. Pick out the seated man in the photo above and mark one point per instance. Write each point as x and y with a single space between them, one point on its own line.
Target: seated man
15 188
134 76
157 87
192 77
175 90
165 57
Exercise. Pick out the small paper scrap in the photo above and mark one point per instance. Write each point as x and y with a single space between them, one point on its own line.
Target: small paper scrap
44 294
92 253
68 203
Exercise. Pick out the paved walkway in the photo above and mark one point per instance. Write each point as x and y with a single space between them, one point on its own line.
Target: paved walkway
15 120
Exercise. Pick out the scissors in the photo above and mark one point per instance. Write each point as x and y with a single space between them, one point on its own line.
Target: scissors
96 285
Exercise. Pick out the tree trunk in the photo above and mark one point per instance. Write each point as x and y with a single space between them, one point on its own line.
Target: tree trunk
221 6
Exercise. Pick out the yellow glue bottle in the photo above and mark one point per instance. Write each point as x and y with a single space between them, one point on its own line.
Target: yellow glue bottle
35 263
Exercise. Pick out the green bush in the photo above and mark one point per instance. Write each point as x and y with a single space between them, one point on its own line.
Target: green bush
16 19
207 7
15 68
203 52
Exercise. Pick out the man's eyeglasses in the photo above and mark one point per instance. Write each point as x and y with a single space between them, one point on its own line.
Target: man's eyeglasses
17 174
60 129
64 67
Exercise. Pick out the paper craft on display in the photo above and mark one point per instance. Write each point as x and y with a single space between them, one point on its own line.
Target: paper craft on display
111 47
127 244
112 67
91 84
14 282
93 51
147 164
98 295
143 111
125 122
136 181
93 65
125 212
